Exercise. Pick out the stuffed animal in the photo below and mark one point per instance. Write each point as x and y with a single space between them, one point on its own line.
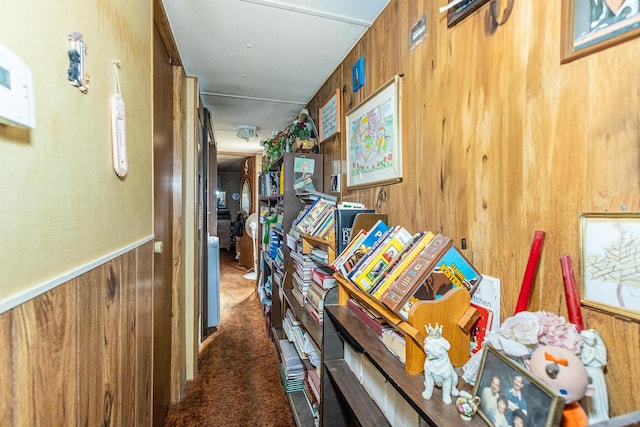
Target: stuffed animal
564 372
437 366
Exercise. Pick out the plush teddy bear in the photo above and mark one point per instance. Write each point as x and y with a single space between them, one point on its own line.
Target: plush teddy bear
564 372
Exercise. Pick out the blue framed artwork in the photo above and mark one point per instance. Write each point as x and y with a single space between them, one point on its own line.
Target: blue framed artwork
357 74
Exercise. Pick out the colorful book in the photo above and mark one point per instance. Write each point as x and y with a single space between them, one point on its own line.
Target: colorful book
480 328
323 277
371 237
323 229
312 215
400 265
375 236
344 219
451 270
379 260
409 281
346 253
369 251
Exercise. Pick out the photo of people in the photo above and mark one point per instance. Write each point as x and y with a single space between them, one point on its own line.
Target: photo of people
511 396
595 22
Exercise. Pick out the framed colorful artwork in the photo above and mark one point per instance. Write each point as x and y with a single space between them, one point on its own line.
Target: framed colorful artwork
536 404
374 140
589 26
610 252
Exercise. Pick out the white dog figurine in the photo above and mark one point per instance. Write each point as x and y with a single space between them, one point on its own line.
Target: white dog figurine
437 366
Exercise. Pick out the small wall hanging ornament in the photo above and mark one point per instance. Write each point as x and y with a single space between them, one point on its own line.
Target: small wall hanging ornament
118 129
77 74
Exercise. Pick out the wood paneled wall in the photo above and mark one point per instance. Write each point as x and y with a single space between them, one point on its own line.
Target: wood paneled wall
81 354
500 140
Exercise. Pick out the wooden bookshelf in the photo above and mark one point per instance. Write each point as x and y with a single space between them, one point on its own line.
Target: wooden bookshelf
309 242
343 326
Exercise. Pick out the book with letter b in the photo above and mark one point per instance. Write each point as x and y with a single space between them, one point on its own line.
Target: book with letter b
344 224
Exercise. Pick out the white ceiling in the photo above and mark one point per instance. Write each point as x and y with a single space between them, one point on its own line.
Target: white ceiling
259 62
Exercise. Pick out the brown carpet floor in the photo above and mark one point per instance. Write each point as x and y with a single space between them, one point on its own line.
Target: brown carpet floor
238 381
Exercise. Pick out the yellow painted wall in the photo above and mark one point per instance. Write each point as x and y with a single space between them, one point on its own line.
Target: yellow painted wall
62 205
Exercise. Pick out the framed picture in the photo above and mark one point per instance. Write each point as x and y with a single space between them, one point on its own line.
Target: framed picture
508 391
329 114
460 9
589 26
373 137
610 254
357 74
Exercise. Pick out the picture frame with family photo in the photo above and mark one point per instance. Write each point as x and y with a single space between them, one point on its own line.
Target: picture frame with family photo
511 396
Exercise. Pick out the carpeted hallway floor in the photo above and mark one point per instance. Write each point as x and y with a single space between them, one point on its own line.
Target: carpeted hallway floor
238 383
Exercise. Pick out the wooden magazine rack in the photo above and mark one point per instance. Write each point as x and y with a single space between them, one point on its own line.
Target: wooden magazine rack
452 311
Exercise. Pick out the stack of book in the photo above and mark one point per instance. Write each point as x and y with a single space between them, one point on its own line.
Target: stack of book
315 301
290 325
302 267
319 255
292 369
396 343
317 220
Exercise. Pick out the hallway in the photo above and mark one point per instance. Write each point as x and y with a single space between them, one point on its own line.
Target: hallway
238 381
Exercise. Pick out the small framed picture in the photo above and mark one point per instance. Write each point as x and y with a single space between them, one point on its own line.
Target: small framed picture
610 249
590 26
357 74
458 10
511 396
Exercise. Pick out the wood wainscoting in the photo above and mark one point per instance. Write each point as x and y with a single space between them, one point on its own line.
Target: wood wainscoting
81 354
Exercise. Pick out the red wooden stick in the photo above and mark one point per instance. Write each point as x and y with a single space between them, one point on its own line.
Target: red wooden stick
571 293
530 272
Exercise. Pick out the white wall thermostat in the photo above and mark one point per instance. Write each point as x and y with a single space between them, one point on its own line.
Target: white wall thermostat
16 91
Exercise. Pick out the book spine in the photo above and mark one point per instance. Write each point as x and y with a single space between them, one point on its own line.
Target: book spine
410 280
402 265
376 326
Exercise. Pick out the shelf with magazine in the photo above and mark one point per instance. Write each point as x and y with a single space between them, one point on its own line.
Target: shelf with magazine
279 208
380 274
308 279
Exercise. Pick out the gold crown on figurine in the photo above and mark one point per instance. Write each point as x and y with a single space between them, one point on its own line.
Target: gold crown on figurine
434 332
